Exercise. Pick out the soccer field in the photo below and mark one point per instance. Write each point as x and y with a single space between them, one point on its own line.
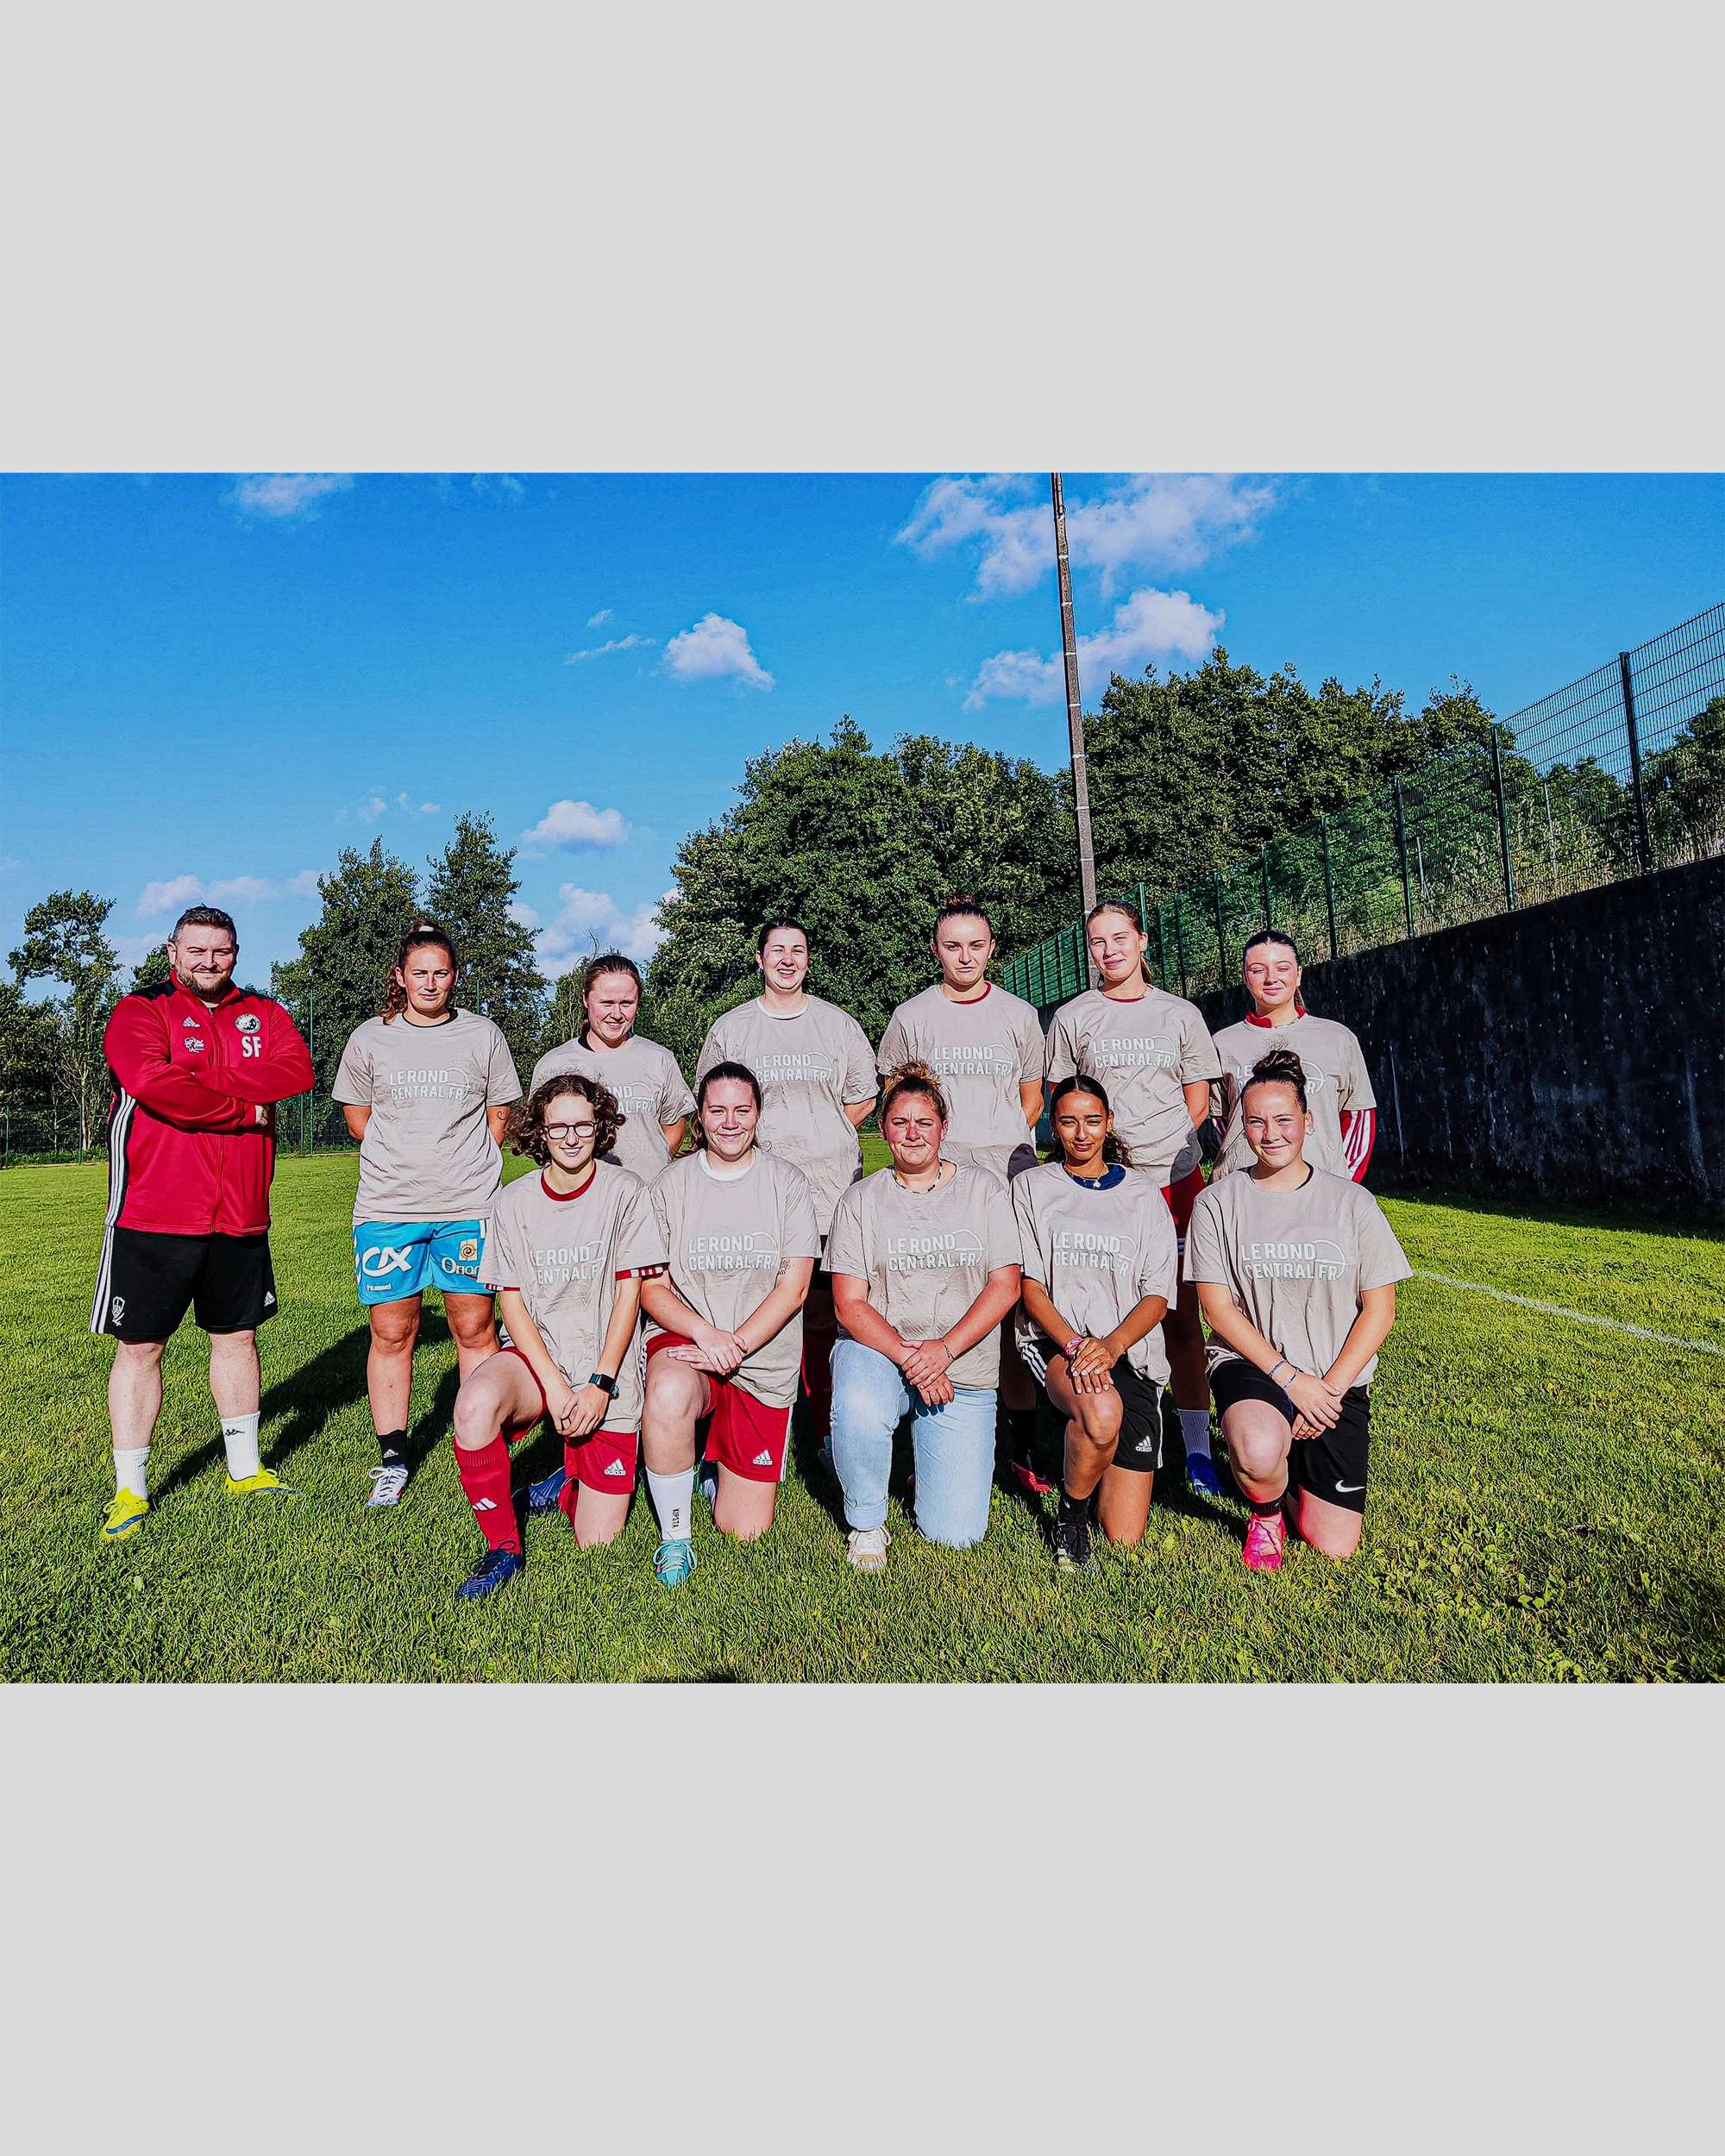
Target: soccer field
1548 1501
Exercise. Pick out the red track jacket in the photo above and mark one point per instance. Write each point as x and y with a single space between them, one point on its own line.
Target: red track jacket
191 1124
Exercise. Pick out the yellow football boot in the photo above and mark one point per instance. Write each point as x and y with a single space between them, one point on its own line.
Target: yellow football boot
125 1515
265 1478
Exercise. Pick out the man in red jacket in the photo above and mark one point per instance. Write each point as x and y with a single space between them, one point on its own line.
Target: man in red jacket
197 1066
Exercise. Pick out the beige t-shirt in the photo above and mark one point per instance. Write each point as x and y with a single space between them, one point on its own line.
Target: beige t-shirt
650 1088
1144 1053
928 1254
428 1153
811 1067
564 1256
1098 1253
727 1240
982 1052
1335 1080
1296 1262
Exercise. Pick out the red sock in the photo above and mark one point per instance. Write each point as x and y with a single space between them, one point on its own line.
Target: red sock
485 1478
818 1376
571 1489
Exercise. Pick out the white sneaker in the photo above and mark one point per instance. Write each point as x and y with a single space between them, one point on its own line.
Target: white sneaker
866 1547
387 1484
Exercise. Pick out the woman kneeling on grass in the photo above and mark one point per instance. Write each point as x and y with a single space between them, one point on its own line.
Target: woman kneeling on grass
1296 1272
1101 1267
724 1336
567 1251
924 1265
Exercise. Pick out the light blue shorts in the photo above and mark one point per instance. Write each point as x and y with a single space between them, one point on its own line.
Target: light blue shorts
397 1258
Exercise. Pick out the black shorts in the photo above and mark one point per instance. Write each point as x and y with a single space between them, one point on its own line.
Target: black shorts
1138 1447
145 1283
1332 1465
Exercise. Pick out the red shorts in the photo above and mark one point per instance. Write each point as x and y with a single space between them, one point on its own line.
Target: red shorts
604 1461
743 1434
1181 1197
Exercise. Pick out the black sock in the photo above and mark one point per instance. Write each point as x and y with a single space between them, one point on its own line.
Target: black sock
393 1446
1268 1510
1073 1509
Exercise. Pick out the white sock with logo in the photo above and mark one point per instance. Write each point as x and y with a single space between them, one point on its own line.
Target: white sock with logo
1194 1428
674 1500
240 1435
131 1470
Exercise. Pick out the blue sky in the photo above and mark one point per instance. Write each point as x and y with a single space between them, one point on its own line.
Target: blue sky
211 685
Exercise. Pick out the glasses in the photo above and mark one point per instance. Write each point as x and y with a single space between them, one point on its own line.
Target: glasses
564 1132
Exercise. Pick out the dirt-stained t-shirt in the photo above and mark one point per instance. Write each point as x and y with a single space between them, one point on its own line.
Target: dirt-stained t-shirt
1098 1253
926 1256
1296 1262
564 1257
811 1067
727 1241
1336 1081
428 1153
1145 1053
982 1052
650 1088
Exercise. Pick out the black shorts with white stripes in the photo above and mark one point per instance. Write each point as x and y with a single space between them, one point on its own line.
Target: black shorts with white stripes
152 1280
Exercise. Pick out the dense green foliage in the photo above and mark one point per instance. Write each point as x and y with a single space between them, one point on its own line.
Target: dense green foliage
339 977
472 886
1548 1501
64 942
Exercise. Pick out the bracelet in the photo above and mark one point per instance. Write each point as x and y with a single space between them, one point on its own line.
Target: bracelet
1284 1364
605 1384
1073 1344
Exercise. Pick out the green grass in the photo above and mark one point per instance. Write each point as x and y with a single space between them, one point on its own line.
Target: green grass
1546 1502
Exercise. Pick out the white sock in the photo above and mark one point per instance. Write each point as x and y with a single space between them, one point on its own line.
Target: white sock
240 1435
673 1497
1194 1428
131 1470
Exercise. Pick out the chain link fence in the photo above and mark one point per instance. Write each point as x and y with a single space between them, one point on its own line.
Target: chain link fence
1613 775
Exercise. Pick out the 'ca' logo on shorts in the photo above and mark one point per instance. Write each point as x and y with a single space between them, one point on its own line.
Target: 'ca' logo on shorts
469 1250
119 1308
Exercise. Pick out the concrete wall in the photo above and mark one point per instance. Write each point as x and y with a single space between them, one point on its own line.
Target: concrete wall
1575 1050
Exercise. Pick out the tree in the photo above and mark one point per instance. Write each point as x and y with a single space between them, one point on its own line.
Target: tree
64 941
342 971
30 1044
152 971
862 846
471 891
1192 772
1684 787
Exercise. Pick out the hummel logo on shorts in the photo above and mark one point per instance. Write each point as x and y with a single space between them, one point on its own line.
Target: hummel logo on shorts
762 1459
615 1467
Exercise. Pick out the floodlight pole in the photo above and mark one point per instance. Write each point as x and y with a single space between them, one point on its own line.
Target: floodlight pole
1075 710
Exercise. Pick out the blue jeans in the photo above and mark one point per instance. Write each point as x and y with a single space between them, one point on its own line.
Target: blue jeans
954 1447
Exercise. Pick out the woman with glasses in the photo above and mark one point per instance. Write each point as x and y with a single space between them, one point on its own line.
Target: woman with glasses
567 1251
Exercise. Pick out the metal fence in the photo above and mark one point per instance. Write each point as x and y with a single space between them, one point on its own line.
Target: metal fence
1617 774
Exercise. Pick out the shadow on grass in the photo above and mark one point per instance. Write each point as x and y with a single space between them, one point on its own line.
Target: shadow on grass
307 1397
1510 1204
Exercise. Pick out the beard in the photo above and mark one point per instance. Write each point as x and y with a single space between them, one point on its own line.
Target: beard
213 994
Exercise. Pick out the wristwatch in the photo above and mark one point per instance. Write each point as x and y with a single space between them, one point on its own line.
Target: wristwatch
605 1384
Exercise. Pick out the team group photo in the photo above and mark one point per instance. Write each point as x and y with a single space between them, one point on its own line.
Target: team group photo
1107 1217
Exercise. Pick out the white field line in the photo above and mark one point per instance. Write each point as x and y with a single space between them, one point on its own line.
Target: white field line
1581 1317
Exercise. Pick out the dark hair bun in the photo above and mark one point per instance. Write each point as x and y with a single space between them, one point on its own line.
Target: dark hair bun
1280 1067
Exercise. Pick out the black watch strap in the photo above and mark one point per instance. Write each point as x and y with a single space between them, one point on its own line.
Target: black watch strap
605 1384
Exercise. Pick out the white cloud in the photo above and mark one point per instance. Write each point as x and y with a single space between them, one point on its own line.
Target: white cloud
1150 624
603 615
523 915
288 493
616 643
1148 520
409 806
171 896
592 920
179 892
370 808
303 886
573 824
132 951
713 648
501 483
